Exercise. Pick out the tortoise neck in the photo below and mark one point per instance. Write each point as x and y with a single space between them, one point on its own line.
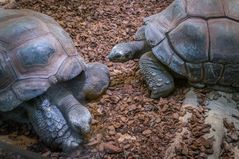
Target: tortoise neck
59 93
140 47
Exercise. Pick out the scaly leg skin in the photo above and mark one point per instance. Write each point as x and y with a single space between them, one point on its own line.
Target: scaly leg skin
158 79
91 84
76 115
69 116
51 126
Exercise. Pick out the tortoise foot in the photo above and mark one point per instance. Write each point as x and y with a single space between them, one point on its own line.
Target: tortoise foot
51 126
76 115
159 81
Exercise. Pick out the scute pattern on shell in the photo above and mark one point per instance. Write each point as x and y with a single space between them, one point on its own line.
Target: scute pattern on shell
190 40
196 39
166 19
35 52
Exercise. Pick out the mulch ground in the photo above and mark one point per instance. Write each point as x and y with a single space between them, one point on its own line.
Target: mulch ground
127 123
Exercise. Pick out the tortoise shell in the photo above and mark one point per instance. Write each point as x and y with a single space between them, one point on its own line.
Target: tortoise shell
198 39
35 52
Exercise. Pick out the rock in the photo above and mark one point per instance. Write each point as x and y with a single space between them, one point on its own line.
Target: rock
4 1
126 137
110 148
234 136
97 139
147 132
127 146
175 115
46 154
132 107
185 150
209 151
111 130
124 119
150 108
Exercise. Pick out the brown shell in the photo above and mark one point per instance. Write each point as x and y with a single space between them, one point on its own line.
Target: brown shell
198 39
35 52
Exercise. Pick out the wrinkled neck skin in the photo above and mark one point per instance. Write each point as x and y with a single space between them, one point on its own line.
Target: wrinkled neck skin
140 47
76 86
62 96
91 83
77 115
123 52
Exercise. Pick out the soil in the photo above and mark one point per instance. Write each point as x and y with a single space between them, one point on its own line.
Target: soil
127 123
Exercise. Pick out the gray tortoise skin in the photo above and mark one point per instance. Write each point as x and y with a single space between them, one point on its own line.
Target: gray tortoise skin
44 80
193 39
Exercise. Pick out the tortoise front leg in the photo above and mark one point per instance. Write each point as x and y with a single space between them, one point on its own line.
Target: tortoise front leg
77 115
157 77
50 124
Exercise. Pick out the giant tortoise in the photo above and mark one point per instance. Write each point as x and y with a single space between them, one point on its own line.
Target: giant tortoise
193 39
43 78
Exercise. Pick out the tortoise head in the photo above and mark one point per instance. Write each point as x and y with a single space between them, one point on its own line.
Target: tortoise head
121 52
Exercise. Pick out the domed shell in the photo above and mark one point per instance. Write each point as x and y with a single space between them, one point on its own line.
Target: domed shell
197 39
35 52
